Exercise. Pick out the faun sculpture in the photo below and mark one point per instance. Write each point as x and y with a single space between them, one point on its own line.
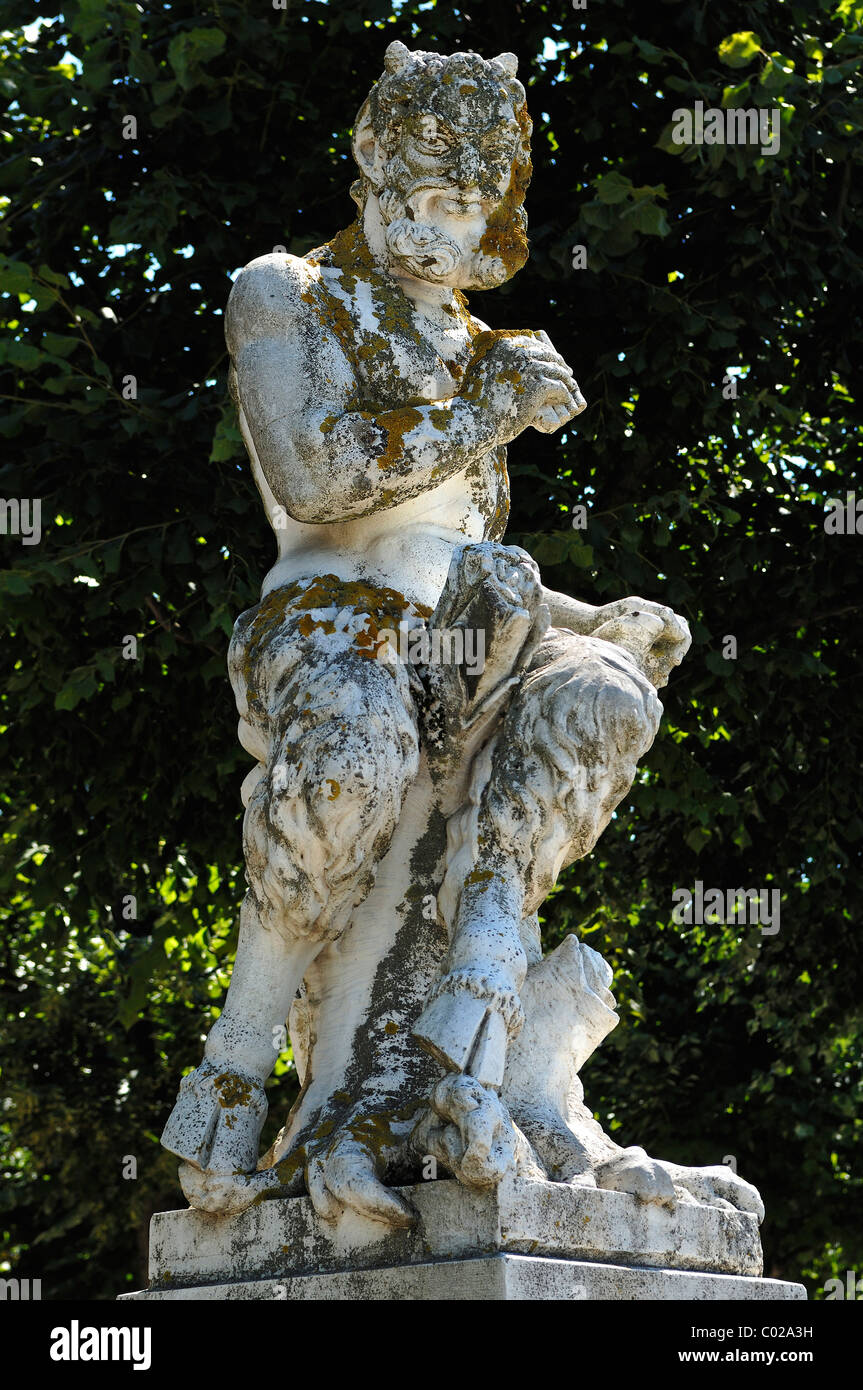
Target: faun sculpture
406 816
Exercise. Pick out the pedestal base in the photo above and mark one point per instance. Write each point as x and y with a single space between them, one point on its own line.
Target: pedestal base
491 1277
525 1240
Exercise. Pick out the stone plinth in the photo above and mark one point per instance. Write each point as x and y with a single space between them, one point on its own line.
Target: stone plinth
526 1240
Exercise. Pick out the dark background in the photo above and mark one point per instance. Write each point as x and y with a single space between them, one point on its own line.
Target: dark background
123 774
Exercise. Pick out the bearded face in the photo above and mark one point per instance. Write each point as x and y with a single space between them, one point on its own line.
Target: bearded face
449 164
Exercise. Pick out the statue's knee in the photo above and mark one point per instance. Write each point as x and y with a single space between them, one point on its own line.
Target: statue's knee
599 700
627 712
324 809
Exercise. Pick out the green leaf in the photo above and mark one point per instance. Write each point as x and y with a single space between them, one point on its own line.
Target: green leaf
60 344
86 17
649 219
649 51
142 67
80 686
14 582
20 354
189 51
613 187
53 277
739 49
581 555
227 440
15 276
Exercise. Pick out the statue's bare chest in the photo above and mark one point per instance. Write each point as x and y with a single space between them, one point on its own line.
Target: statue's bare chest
397 354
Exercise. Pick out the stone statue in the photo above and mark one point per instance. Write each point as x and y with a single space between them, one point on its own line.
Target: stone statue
409 810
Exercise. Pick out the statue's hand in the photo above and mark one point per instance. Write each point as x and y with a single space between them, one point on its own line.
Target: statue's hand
494 591
522 380
224 1194
468 1130
656 636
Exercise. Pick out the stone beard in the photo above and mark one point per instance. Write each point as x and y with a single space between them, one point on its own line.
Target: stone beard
420 122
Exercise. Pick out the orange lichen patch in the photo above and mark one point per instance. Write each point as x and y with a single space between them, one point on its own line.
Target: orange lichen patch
485 341
441 418
328 422
368 641
292 1164
374 1132
504 236
327 590
371 351
332 311
391 1028
377 1133
397 423
350 255
308 624
372 346
334 786
482 344
464 314
514 378
231 1090
497 522
383 607
479 876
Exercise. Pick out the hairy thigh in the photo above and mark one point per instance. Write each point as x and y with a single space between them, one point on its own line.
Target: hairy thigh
567 753
334 731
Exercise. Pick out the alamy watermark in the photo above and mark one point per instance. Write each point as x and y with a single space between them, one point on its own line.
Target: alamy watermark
758 907
844 518
77 1343
851 1289
21 516
437 646
19 1290
740 125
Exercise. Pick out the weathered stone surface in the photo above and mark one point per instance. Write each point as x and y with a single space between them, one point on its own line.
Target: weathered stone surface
285 1236
409 810
493 1277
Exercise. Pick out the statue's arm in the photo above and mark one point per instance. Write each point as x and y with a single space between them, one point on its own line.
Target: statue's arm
572 613
654 634
324 462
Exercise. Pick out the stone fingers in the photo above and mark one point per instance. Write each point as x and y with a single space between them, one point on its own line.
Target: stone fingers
483 1128
346 1178
328 1207
558 391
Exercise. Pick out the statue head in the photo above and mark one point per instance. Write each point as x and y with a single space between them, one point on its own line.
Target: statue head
443 145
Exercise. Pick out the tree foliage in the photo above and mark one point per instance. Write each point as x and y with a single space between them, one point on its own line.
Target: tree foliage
709 269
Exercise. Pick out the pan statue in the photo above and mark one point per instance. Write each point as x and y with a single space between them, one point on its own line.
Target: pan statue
435 734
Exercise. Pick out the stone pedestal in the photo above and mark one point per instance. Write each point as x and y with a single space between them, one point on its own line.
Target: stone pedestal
526 1240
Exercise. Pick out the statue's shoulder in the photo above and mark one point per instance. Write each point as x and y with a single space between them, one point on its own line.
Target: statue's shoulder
277 290
267 294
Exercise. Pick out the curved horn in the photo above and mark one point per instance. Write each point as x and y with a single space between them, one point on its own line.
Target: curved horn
508 62
397 57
